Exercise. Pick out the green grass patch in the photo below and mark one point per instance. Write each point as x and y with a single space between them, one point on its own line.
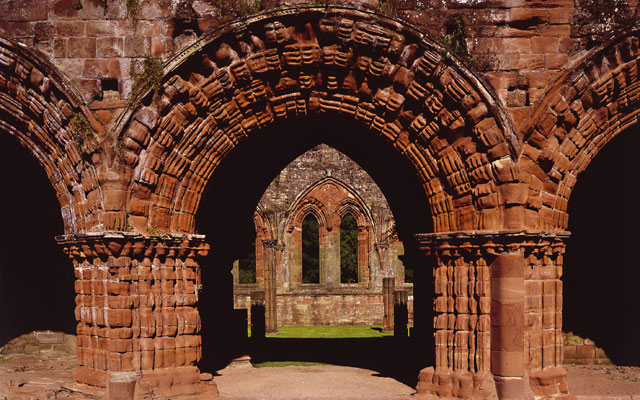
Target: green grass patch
329 332
285 364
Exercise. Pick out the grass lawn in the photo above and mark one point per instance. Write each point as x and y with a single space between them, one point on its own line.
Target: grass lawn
320 332
285 363
329 332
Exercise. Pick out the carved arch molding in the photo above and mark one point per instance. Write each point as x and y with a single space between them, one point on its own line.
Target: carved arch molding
292 63
307 61
586 107
38 106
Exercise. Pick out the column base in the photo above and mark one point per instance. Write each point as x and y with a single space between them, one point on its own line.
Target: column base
176 383
550 383
453 384
92 376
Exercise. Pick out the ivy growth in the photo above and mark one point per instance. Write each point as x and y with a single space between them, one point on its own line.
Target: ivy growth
132 9
151 76
231 9
455 42
154 231
388 7
81 130
119 149
610 14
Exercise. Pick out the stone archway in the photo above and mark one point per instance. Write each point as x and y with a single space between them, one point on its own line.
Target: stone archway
48 117
293 64
583 109
389 77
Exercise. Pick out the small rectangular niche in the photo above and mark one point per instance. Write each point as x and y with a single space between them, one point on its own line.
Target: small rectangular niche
110 89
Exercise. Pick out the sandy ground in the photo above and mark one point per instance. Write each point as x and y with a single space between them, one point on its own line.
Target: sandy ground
308 382
50 376
604 380
44 376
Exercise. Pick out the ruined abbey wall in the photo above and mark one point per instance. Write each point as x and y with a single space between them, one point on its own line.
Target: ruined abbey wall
328 302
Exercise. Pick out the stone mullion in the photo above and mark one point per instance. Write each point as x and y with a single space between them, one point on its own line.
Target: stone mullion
363 256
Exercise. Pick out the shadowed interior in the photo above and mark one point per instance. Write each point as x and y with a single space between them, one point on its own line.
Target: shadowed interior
233 194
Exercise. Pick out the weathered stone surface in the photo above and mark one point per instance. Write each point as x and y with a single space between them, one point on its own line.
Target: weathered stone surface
340 187
489 156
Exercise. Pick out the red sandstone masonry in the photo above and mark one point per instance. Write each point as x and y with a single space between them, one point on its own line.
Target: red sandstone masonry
481 169
136 310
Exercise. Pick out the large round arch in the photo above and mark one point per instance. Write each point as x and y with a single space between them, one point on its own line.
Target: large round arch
309 61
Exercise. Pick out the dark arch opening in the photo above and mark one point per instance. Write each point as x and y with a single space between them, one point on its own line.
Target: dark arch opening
601 267
310 249
348 249
230 200
247 263
36 277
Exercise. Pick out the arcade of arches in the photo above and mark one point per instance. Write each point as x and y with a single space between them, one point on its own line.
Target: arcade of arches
477 168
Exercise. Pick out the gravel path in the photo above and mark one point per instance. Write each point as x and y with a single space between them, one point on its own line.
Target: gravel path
50 376
308 382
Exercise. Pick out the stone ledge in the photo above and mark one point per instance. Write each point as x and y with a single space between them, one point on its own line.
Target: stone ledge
507 234
78 237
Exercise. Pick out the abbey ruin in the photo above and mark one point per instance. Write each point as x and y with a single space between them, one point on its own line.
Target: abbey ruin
451 133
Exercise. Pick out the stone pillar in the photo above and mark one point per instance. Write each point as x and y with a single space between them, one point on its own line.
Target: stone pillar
388 286
543 316
136 307
235 272
490 314
400 314
507 325
260 262
271 248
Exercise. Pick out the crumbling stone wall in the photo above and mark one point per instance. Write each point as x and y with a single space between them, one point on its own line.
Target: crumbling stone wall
41 342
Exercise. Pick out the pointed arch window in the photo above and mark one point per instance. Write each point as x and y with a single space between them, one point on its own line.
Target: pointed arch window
348 249
310 250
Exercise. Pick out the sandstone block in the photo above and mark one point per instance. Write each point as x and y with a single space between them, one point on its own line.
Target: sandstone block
110 47
507 363
68 29
79 47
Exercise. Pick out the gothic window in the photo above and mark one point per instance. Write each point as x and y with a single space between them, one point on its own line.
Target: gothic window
310 250
348 249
